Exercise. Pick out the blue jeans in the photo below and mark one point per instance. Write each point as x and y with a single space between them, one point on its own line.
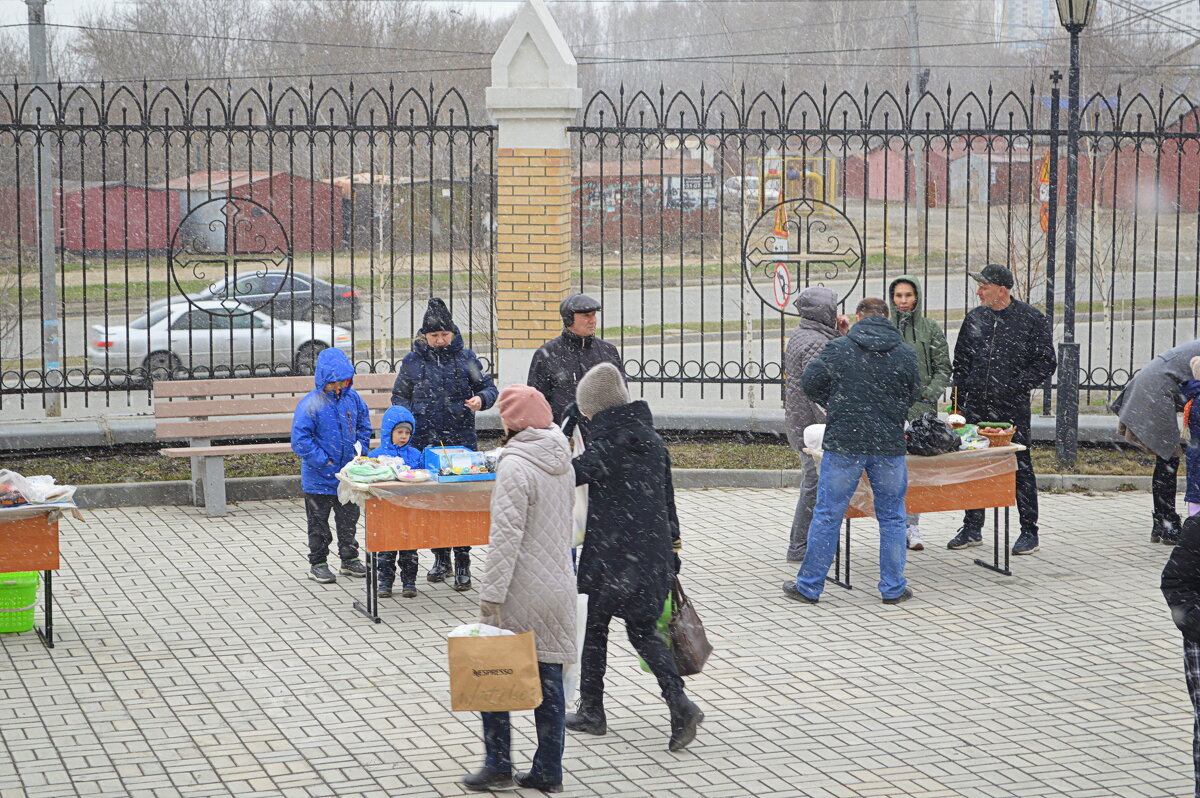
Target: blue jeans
839 477
550 718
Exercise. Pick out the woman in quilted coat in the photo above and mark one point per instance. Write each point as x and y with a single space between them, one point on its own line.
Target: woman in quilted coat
628 561
528 583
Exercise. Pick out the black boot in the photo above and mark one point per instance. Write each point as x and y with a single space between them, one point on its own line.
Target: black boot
685 718
462 570
589 718
441 566
485 780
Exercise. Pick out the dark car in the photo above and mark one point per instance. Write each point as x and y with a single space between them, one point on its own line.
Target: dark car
288 296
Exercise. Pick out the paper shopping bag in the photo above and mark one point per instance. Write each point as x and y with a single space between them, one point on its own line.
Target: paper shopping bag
689 643
494 674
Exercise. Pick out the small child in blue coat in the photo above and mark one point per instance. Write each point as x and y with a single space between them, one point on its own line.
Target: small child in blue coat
1191 420
395 432
327 423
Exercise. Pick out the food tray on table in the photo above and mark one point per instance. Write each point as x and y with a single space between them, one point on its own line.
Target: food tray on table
458 464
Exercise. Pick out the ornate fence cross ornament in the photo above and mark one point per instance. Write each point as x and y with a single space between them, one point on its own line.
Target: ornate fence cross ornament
779 266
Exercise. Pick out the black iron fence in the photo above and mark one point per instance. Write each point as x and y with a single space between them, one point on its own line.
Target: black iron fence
700 218
190 235
193 234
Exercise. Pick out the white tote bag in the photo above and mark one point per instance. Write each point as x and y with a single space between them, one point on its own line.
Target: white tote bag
571 672
581 496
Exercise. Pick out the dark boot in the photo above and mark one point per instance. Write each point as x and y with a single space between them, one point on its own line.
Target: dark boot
462 571
485 780
685 718
441 566
589 718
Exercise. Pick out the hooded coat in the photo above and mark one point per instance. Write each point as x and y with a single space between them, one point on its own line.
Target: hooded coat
926 338
1148 405
434 383
867 380
327 424
410 454
627 564
1181 581
528 570
818 326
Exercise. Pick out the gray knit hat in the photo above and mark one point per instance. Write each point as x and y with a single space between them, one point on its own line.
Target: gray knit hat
601 388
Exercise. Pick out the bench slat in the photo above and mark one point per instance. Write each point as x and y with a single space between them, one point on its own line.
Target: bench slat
240 386
209 408
250 448
241 428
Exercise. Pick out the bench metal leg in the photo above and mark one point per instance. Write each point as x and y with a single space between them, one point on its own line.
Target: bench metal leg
214 486
371 608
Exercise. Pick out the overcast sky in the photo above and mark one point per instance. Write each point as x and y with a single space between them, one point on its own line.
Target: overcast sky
65 12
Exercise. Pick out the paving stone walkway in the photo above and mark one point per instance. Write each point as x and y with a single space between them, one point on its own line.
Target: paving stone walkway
196 660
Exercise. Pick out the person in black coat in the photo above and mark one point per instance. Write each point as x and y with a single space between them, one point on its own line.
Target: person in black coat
1181 589
444 385
560 363
1004 351
629 556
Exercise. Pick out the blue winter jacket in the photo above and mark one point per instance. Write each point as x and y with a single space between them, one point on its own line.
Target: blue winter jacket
327 424
411 454
434 383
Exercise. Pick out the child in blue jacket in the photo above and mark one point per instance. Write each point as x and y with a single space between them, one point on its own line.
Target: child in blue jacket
327 423
395 432
1191 420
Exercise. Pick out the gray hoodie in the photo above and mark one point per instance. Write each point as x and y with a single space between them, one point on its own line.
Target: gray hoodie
818 326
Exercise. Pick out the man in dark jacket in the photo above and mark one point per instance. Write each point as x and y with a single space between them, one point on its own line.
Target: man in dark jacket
1004 351
866 380
1181 588
444 385
819 324
560 363
629 555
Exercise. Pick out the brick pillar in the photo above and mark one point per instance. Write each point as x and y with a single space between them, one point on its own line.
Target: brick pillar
534 95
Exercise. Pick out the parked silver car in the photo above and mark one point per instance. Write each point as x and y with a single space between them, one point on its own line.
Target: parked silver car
202 338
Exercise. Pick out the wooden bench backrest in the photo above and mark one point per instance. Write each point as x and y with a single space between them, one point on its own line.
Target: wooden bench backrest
191 409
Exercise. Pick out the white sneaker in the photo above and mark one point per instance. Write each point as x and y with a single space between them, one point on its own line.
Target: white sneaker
914 539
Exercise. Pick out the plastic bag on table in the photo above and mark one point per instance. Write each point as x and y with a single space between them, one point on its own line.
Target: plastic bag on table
36 490
928 435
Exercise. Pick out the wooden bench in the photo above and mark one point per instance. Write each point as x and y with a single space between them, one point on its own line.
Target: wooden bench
249 408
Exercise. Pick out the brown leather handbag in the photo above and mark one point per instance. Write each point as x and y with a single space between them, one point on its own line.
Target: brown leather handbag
689 643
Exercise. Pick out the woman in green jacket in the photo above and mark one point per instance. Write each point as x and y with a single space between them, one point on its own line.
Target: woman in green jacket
933 361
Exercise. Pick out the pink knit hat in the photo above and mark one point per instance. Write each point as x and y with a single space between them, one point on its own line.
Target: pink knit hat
522 407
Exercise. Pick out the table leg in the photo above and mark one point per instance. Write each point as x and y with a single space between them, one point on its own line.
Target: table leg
48 635
994 565
371 609
837 562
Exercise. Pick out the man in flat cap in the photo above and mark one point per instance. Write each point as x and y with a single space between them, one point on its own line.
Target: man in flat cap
1004 351
561 362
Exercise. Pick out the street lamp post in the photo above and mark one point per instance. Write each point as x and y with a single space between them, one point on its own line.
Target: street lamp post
1074 16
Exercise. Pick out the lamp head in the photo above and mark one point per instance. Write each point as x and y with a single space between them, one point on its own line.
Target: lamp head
1075 14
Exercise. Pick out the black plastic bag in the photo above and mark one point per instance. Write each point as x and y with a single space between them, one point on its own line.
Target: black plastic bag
929 435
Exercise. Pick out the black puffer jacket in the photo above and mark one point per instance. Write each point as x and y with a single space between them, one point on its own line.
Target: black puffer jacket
627 563
1181 581
867 380
999 358
560 363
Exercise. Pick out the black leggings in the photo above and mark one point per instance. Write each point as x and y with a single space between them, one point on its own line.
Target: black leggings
645 640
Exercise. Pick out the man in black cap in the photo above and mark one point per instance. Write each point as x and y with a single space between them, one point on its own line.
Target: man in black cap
1004 351
561 362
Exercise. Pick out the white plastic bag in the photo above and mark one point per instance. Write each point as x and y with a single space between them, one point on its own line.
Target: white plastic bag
478 630
37 490
814 436
581 497
571 671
